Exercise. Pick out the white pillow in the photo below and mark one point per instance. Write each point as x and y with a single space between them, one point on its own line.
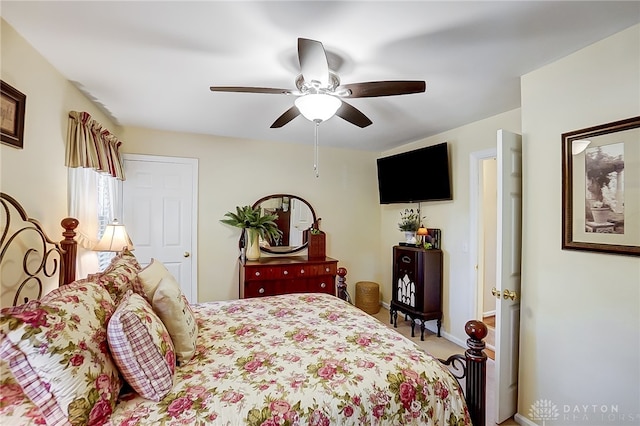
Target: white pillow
151 275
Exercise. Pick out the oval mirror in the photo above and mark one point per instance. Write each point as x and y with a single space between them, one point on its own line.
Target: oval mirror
295 216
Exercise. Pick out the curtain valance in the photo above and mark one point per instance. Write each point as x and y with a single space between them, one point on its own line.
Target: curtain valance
89 145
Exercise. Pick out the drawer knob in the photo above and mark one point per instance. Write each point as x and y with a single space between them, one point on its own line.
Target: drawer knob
286 272
257 273
323 285
327 269
302 271
261 290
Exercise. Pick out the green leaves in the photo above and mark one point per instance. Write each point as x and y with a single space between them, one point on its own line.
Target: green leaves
249 217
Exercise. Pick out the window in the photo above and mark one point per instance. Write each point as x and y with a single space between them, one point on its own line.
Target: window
109 190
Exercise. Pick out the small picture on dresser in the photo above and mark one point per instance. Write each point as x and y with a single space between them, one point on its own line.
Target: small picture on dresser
433 237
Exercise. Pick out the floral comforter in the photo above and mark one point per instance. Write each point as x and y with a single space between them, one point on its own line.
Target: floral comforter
295 359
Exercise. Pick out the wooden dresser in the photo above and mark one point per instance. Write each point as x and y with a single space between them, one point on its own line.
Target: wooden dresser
270 276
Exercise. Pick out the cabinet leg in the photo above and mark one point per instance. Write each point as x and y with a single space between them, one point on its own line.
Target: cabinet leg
439 325
422 330
413 324
394 318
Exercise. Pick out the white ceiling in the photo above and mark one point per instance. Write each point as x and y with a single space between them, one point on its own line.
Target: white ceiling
150 63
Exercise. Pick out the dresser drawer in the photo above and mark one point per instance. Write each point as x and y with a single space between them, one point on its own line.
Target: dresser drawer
260 273
322 284
323 269
262 288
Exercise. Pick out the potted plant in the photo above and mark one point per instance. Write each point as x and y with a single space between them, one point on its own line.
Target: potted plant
256 225
409 224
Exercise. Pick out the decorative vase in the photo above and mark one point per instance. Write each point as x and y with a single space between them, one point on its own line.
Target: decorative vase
252 244
410 237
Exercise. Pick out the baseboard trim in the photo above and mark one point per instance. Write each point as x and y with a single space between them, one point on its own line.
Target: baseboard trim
434 329
522 420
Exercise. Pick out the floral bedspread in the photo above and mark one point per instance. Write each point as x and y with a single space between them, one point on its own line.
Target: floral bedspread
295 359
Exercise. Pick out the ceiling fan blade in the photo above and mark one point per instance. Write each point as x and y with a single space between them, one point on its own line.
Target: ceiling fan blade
383 88
353 115
313 61
267 90
286 117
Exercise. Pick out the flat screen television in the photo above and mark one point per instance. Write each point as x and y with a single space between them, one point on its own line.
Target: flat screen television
415 176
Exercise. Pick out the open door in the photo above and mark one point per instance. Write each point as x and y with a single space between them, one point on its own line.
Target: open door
507 291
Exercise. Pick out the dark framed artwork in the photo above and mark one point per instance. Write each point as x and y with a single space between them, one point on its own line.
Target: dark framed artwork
601 188
12 104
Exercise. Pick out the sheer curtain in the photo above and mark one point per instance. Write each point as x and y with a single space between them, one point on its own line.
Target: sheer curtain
95 174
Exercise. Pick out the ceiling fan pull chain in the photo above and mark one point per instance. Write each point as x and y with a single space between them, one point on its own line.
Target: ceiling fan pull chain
315 149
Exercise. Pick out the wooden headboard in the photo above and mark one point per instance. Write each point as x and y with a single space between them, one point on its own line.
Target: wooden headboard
28 257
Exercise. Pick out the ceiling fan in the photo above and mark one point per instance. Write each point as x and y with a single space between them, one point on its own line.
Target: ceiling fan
320 95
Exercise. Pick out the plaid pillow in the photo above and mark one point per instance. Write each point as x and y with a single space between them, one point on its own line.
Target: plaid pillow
56 349
141 347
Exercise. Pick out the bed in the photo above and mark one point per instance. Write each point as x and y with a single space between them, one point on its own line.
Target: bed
97 351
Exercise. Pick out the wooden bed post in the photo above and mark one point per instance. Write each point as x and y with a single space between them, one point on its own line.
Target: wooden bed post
476 377
69 250
341 287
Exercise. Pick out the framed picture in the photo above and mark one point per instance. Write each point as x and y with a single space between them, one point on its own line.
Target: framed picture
601 188
12 104
433 237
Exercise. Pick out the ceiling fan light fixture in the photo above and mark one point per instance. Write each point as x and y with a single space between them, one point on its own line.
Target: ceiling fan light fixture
317 106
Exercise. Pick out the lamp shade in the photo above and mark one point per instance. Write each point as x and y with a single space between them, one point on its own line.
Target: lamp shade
422 231
317 106
115 238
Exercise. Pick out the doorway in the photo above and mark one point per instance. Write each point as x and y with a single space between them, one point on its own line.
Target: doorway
484 221
507 259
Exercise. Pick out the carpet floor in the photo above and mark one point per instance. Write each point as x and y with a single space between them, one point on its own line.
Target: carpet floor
443 348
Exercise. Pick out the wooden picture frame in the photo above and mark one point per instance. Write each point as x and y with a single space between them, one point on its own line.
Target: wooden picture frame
601 188
12 104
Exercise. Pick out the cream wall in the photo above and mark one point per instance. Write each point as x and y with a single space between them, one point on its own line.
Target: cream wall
36 175
238 172
580 343
452 217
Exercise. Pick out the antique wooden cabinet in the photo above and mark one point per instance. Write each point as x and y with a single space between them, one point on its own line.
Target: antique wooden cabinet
270 276
417 286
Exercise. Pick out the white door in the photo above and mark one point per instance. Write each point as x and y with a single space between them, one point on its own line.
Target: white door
160 211
509 249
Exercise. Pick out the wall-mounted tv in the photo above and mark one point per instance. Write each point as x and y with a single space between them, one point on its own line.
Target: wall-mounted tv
415 176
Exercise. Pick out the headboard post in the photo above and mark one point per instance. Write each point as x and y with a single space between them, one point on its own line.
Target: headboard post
341 286
69 250
476 378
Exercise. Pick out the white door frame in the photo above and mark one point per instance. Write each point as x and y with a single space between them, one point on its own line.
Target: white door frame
193 162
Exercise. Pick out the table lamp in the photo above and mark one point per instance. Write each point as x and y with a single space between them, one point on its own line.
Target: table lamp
115 238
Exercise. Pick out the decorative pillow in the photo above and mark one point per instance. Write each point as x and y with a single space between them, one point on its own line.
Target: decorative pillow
15 406
150 276
174 310
57 351
121 275
141 347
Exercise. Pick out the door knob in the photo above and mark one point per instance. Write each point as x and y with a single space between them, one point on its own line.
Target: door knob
509 295
495 292
186 254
